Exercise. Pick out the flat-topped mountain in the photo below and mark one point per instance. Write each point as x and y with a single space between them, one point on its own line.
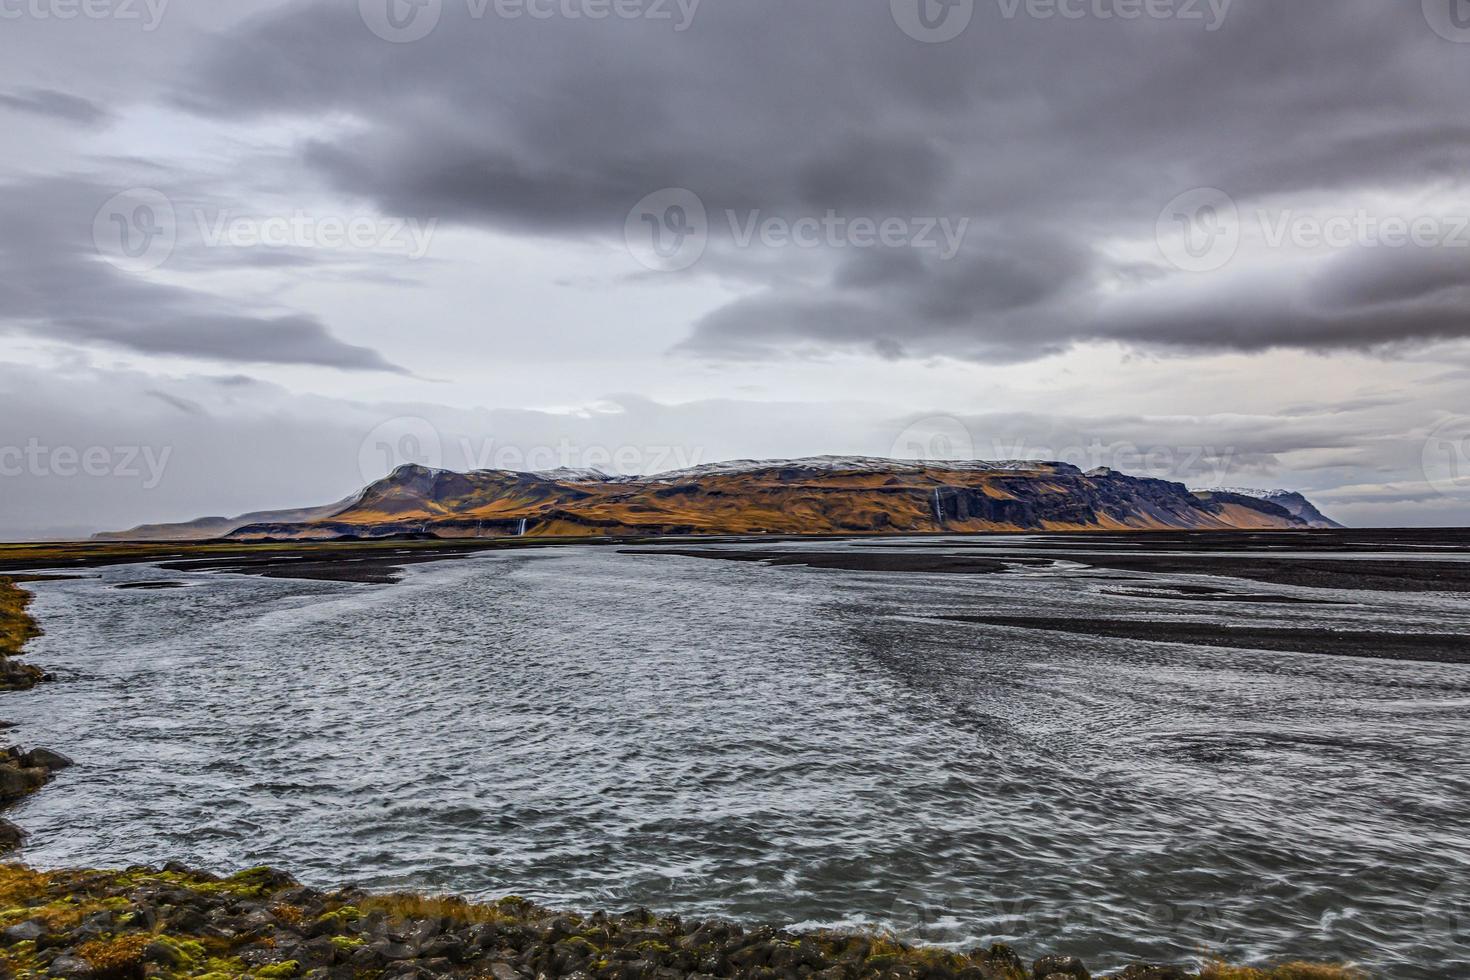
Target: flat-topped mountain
819 496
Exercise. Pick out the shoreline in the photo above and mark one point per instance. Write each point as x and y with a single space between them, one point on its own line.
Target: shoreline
382 561
17 628
176 922
21 772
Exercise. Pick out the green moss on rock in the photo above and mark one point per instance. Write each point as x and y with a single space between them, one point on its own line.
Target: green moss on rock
173 923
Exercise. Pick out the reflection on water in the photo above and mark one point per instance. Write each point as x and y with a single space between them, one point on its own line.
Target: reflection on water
594 729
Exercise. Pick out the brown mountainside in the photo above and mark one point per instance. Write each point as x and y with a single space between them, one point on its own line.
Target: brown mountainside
821 496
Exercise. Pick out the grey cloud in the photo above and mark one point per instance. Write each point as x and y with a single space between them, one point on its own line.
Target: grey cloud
54 104
58 287
185 405
219 336
1034 298
1359 298
1370 277
1351 405
1005 297
1259 434
1084 130
1315 450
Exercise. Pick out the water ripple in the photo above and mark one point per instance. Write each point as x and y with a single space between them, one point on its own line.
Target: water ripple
809 747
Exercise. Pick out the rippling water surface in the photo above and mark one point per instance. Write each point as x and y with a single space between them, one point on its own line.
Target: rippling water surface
593 729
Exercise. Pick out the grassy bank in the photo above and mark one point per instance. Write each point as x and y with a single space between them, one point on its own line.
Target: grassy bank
174 923
16 628
21 772
16 625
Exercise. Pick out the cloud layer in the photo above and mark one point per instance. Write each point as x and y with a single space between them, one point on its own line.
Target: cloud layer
1059 141
60 286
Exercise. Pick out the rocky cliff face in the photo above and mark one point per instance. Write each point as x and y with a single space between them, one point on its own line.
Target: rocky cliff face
830 495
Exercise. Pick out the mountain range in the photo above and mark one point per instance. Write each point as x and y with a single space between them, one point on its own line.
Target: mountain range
829 495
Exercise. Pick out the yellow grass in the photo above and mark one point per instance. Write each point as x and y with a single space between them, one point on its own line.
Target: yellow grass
16 625
116 957
1287 971
403 906
19 885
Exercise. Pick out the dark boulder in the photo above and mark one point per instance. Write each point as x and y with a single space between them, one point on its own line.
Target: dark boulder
24 932
387 949
163 954
999 961
1140 971
18 781
11 836
47 759
1065 966
70 966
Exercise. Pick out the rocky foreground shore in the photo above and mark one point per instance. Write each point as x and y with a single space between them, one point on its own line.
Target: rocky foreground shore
173 922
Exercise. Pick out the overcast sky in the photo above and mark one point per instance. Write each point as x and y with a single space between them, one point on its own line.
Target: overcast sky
255 254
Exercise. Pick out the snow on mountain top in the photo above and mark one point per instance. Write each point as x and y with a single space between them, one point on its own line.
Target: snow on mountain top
566 474
739 467
574 474
846 464
1250 492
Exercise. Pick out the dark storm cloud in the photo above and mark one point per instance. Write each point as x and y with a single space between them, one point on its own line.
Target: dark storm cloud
1053 136
1008 295
54 104
58 286
1358 298
215 335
